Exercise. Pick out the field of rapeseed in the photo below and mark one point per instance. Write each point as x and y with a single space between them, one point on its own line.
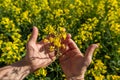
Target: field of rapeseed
88 21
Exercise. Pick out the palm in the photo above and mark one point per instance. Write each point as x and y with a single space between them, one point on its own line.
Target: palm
73 63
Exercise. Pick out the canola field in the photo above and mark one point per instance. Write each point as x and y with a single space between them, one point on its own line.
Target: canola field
88 21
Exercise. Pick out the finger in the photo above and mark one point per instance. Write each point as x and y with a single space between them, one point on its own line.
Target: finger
34 35
71 44
71 50
89 52
64 46
64 49
69 54
45 41
68 37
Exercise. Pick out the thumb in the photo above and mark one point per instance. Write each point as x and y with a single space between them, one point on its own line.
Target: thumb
34 35
89 52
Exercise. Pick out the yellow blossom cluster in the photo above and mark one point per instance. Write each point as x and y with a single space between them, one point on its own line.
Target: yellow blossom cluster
98 70
55 38
85 32
113 77
10 43
41 71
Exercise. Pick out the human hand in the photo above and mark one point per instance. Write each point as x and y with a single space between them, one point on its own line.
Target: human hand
38 54
73 62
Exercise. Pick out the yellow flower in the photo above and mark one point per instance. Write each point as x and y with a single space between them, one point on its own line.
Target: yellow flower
63 46
8 48
46 40
37 73
107 57
25 14
51 48
66 11
5 20
43 72
99 77
57 42
62 29
58 12
51 39
71 6
115 28
49 29
113 77
64 35
1 43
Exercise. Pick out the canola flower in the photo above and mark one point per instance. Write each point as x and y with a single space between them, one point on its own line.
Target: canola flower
56 38
113 77
98 70
41 71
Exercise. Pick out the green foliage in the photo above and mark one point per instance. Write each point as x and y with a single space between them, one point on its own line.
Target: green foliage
89 21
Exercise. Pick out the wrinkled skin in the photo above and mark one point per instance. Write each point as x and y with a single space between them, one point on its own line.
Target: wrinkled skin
73 62
38 54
